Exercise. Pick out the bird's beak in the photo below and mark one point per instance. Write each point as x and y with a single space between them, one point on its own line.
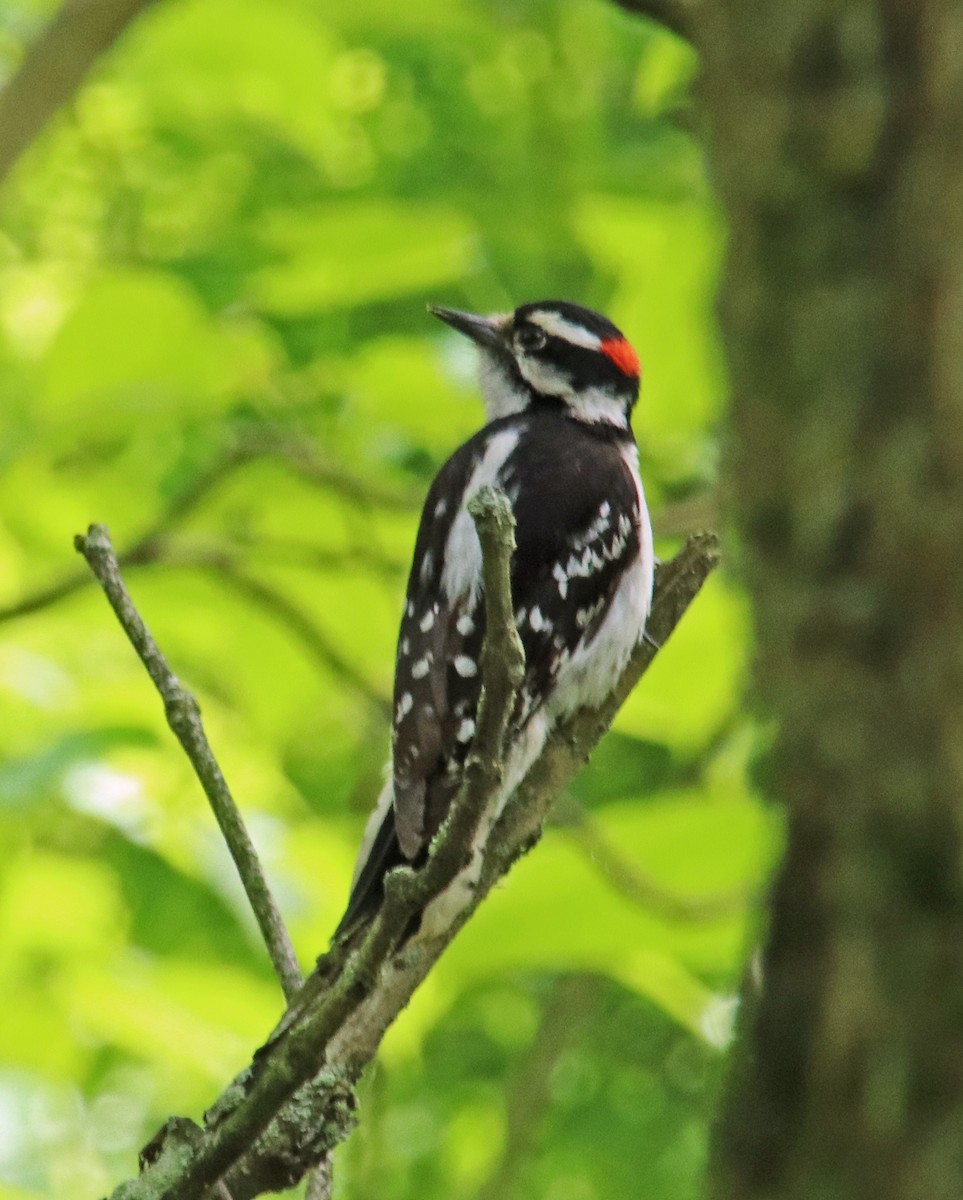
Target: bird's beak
488 332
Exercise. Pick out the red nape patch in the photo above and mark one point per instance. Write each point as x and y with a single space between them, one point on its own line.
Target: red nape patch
622 354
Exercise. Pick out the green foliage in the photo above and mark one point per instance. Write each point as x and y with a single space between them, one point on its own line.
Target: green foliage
228 241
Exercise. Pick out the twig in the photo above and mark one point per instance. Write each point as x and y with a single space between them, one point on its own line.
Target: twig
183 716
503 659
54 66
626 878
46 596
337 1022
288 613
502 671
305 458
144 549
223 561
286 552
319 1185
153 544
294 552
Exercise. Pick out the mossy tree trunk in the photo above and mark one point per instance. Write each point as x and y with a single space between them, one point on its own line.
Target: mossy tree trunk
838 140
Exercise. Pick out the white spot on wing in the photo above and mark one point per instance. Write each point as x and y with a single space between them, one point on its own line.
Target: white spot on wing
584 615
466 730
538 621
420 668
465 625
427 621
465 666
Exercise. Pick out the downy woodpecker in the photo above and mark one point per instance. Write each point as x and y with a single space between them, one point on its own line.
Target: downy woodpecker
559 383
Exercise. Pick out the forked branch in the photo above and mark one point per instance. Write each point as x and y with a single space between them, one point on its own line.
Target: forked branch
295 1102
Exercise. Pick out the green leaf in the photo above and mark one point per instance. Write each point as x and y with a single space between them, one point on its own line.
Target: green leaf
667 66
697 680
138 346
218 62
666 257
171 913
622 765
350 254
31 779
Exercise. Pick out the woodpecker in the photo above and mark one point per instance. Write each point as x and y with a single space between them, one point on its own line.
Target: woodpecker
559 384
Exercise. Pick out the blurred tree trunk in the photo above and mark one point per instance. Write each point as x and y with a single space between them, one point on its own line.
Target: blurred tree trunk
838 142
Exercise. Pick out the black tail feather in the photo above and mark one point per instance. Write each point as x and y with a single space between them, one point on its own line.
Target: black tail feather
368 890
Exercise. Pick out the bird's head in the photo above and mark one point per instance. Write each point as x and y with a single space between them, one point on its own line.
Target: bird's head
552 352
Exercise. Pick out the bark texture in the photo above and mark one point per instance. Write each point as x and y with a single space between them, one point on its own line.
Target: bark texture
838 142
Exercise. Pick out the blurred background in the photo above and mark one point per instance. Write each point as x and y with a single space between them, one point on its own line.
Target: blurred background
214 266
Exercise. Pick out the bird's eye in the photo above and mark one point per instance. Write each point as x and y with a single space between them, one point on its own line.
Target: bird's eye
530 337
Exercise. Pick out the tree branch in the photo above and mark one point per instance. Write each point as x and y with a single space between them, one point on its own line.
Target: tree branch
305 458
301 458
154 545
184 717
54 67
145 548
634 884
284 610
295 1102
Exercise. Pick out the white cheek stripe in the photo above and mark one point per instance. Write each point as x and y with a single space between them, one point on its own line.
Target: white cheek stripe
461 574
556 325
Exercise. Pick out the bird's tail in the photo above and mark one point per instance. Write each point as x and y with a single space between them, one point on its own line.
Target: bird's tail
367 890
